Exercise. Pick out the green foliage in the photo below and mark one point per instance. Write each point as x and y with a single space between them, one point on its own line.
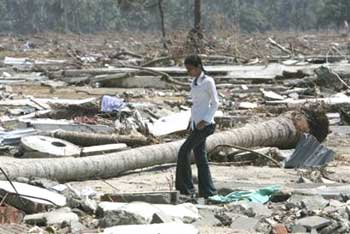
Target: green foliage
335 12
90 16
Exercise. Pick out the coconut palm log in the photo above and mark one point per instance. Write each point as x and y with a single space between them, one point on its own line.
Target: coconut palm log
278 132
90 139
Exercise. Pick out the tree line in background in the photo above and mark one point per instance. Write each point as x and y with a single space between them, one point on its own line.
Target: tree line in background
91 16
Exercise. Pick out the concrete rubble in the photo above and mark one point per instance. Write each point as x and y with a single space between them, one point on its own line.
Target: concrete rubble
90 146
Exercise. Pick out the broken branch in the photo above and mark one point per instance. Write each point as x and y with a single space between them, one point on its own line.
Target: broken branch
251 151
274 43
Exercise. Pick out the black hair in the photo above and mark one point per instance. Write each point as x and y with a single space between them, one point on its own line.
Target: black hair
194 60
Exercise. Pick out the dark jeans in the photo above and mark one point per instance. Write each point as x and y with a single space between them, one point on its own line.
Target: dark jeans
196 142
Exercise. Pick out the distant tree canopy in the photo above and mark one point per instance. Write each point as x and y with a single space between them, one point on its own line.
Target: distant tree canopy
90 16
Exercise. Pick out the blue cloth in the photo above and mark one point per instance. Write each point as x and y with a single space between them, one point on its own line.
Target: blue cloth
110 104
262 195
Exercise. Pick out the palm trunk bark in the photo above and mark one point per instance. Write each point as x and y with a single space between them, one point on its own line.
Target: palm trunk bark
91 139
278 132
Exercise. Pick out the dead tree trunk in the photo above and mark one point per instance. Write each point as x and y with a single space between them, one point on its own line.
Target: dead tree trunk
198 36
278 132
197 15
161 12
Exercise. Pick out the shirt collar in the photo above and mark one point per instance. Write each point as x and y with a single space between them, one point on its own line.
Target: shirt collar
200 78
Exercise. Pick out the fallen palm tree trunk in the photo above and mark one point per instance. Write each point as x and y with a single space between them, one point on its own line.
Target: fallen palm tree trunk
281 132
90 139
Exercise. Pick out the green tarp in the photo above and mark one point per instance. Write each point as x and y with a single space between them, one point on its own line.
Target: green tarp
262 195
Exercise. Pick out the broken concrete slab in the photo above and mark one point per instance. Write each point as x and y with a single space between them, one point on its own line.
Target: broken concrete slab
165 228
21 102
313 222
159 197
186 212
44 103
314 203
245 223
14 137
173 123
328 192
47 125
309 202
47 147
29 61
333 100
13 122
170 124
128 214
31 199
59 216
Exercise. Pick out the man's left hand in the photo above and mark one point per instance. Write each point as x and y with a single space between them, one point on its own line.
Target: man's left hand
201 125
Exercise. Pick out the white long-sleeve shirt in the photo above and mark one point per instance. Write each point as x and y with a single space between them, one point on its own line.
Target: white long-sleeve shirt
205 101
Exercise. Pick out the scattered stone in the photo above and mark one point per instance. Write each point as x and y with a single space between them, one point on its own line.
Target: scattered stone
313 202
331 228
279 229
224 218
313 222
88 205
132 213
245 223
77 227
60 216
250 209
165 228
263 227
208 218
